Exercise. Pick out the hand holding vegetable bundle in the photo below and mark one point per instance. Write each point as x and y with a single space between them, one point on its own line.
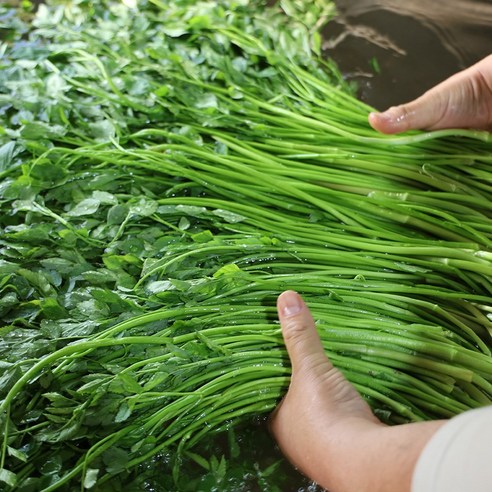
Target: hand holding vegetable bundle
322 425
327 430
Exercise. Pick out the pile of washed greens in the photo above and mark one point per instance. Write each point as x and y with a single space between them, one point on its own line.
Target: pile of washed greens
168 168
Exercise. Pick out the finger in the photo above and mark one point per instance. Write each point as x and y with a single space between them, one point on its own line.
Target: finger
300 335
423 113
432 110
464 100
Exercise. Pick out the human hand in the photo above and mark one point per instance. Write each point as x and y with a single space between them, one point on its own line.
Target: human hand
462 101
327 430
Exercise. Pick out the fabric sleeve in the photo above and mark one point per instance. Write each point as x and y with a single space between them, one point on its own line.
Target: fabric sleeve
458 458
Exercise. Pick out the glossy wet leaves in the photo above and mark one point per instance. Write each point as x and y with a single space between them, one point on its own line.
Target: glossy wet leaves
167 171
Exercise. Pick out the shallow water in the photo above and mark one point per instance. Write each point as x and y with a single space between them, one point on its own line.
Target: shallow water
416 44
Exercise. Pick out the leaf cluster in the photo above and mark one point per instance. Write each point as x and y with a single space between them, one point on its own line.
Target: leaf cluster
168 168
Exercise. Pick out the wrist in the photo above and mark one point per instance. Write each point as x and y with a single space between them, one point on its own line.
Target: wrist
368 456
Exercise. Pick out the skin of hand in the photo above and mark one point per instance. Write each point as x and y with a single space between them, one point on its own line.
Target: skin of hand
327 430
462 101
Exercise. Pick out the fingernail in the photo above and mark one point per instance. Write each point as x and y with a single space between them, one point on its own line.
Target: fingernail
291 303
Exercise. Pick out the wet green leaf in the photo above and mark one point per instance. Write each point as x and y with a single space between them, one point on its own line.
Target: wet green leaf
229 216
88 206
103 131
90 478
39 130
7 153
8 477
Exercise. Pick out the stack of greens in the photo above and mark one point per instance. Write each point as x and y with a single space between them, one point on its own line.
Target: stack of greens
169 168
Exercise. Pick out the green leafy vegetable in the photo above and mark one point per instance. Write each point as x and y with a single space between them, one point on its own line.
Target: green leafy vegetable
168 168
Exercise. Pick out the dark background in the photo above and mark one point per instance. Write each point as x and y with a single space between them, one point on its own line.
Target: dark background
417 43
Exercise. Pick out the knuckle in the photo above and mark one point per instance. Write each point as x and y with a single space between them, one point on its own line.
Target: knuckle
406 115
295 330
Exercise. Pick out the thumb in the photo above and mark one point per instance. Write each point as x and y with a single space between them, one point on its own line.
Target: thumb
464 100
423 113
301 338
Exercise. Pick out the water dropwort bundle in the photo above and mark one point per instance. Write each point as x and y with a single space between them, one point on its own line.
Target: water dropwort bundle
168 169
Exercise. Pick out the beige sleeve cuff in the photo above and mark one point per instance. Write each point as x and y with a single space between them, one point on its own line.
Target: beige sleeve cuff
458 458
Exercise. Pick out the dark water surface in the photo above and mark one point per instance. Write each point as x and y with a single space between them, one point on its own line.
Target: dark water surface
417 43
